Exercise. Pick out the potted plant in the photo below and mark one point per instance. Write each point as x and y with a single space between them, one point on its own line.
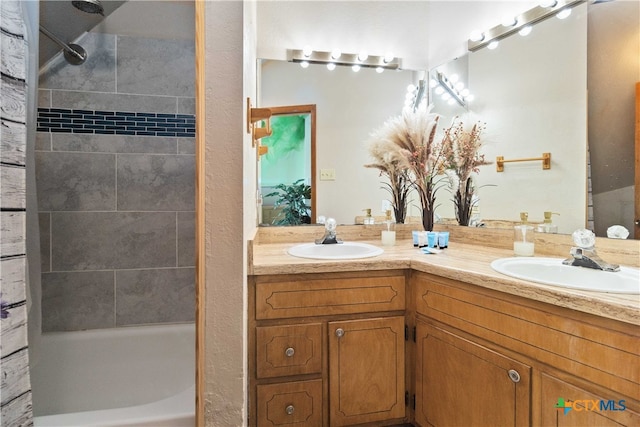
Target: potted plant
293 200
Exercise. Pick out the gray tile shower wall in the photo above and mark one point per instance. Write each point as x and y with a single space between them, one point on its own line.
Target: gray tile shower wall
115 170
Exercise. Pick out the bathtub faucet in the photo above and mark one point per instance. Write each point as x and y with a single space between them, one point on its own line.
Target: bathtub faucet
329 237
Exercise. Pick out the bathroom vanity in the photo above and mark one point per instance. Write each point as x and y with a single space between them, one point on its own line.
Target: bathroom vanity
434 340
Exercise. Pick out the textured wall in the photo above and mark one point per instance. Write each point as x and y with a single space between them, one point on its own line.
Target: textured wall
229 213
115 174
15 392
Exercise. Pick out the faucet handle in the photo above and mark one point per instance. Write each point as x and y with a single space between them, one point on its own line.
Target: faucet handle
331 224
584 238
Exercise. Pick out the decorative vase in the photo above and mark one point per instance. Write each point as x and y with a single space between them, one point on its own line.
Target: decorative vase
399 188
427 219
428 201
464 202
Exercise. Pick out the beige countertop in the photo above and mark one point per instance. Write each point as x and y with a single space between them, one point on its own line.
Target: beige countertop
464 262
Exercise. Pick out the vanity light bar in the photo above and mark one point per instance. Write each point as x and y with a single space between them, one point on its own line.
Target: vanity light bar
446 85
346 59
531 16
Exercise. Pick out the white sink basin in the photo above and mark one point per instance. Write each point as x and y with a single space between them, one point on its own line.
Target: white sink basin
551 271
346 250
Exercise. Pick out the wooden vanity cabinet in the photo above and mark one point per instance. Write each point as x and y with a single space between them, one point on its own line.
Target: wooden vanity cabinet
327 349
488 358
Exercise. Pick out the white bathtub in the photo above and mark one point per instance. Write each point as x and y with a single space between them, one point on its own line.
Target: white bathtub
135 376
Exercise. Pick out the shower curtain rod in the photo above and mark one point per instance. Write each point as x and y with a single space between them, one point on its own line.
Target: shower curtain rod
73 53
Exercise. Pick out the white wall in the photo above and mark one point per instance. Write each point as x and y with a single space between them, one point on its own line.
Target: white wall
375 26
229 187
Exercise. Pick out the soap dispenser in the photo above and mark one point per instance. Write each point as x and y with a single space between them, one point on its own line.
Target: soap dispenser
389 231
523 244
547 226
368 219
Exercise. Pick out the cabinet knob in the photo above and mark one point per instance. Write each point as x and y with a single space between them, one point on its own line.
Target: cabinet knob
514 375
289 410
339 332
289 352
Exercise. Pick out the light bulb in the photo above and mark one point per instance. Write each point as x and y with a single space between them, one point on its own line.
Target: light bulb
493 45
433 83
362 56
465 92
306 51
408 102
331 66
564 13
459 86
439 90
476 36
525 31
335 53
304 64
411 88
451 101
355 68
469 98
388 57
379 70
445 96
409 95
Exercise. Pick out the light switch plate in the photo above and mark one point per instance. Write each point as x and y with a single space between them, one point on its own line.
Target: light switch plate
327 174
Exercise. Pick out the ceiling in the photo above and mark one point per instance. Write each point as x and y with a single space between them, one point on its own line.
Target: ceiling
66 22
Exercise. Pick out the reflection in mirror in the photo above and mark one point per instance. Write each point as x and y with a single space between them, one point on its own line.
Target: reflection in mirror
612 63
529 110
457 70
349 107
287 170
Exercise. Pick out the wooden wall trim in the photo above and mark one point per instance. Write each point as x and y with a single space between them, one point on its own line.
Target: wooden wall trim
200 199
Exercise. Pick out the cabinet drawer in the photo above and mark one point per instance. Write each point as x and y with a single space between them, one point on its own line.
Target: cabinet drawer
288 350
291 404
321 297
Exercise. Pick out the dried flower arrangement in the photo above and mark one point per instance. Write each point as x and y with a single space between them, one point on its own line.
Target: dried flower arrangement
461 150
405 146
390 162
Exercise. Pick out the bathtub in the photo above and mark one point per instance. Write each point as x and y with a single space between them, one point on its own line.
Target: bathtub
134 376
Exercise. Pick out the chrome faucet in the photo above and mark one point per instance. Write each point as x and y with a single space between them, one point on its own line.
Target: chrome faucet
584 254
329 237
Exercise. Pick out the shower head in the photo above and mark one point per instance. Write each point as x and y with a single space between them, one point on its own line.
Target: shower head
89 6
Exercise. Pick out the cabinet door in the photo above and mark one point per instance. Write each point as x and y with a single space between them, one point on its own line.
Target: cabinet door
460 383
366 370
564 404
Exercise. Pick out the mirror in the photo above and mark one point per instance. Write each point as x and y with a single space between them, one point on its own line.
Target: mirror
349 106
529 110
287 177
363 184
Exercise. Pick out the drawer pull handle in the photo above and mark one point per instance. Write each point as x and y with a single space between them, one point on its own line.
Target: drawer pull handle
339 332
514 375
289 352
289 410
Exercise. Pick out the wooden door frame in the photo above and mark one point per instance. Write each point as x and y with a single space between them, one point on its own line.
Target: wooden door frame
200 199
287 110
636 219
